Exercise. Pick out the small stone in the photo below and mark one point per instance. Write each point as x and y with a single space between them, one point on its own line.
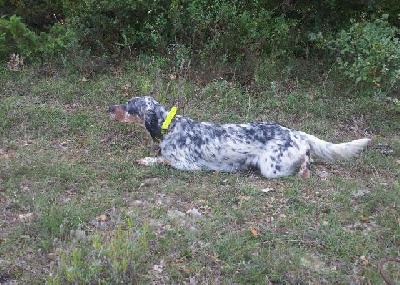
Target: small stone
194 213
79 234
51 256
26 217
175 214
149 182
266 190
360 193
322 174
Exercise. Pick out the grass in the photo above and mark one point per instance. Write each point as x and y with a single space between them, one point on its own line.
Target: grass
76 208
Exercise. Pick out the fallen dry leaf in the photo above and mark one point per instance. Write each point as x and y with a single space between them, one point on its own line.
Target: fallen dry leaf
364 261
245 198
102 218
254 231
4 153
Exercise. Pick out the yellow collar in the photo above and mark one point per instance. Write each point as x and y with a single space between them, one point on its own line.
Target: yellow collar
171 115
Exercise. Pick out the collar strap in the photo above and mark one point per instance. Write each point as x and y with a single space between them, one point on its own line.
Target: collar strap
171 115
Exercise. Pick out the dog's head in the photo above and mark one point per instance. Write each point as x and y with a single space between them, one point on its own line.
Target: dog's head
142 110
136 110
120 114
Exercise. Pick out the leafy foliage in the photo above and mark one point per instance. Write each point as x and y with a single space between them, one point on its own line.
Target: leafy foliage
331 15
16 34
232 29
225 28
369 52
16 37
205 31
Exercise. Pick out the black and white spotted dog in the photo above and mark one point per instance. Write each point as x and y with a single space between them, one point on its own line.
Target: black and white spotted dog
187 144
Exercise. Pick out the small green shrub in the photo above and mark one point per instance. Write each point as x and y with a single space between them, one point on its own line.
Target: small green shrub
369 53
16 37
228 30
117 259
59 41
111 27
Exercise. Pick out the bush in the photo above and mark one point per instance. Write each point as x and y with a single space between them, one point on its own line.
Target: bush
17 38
230 29
39 15
109 27
225 29
369 53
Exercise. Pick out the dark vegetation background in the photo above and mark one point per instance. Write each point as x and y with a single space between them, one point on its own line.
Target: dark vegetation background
360 39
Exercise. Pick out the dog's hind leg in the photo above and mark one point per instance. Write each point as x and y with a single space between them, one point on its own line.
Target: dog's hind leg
305 166
271 167
286 161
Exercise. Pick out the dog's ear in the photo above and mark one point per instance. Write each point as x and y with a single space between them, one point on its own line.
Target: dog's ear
151 124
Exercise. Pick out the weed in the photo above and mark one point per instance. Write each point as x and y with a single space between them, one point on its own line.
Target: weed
117 258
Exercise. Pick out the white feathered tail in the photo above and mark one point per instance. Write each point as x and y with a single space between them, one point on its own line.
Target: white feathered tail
331 152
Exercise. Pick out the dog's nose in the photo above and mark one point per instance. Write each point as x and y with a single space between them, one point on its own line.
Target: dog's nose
111 109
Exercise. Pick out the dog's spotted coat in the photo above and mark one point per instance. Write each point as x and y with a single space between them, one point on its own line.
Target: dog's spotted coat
191 145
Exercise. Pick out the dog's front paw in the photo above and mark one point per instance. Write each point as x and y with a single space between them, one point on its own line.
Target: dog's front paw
147 161
151 161
155 150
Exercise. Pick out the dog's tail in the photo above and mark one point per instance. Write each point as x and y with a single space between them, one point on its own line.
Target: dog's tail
332 152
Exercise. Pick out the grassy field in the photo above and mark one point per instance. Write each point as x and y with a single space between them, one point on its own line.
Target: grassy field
75 208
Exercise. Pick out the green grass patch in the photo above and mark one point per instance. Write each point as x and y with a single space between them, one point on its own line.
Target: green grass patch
103 259
76 207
